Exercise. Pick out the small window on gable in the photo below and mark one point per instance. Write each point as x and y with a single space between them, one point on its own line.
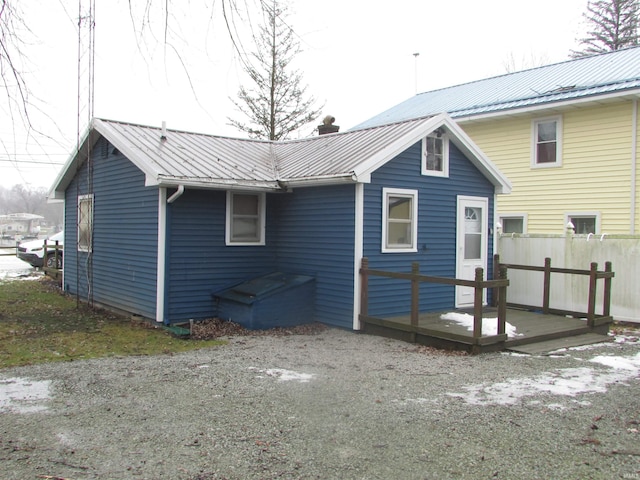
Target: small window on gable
399 220
435 154
85 223
245 218
547 142
584 222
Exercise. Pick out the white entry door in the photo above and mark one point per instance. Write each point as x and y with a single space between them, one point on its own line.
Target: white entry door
471 244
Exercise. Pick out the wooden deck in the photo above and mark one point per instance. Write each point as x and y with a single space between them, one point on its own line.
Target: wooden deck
531 327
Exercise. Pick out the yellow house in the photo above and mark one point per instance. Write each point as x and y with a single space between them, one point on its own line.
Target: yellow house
566 136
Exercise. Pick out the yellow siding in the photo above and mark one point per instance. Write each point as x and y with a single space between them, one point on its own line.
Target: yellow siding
595 171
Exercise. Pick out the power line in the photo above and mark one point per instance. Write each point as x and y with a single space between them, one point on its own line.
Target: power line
29 162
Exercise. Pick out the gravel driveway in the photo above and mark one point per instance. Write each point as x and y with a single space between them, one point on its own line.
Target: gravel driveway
336 405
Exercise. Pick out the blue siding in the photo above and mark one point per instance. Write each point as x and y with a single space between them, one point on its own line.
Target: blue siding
315 237
199 262
437 204
124 256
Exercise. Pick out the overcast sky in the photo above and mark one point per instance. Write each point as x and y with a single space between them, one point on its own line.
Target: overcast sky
358 59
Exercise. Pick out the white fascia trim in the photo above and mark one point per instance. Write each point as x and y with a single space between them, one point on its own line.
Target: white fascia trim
322 180
162 250
477 156
503 112
401 144
358 252
218 184
132 154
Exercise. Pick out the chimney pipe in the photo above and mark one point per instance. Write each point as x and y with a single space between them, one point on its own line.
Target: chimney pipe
328 126
163 135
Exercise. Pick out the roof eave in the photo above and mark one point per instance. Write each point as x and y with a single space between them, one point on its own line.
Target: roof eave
214 183
501 112
321 180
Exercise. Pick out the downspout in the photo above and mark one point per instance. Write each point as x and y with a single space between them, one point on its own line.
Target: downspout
634 164
358 252
162 251
178 193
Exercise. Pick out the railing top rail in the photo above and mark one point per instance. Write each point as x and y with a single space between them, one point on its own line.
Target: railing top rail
571 271
433 279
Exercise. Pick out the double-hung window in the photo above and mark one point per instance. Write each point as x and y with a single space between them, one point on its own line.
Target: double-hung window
546 142
245 218
399 220
85 223
435 154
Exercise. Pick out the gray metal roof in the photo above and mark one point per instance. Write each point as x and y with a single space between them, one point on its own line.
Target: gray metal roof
208 161
610 73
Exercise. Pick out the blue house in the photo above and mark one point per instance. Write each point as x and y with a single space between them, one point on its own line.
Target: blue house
158 222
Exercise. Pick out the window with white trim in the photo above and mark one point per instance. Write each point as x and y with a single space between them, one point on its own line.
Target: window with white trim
245 218
514 223
546 142
399 220
435 154
584 222
85 223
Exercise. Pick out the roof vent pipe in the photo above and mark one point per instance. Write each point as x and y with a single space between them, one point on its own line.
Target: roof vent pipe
163 135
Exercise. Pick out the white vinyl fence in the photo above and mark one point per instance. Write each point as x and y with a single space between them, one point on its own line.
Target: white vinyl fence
570 292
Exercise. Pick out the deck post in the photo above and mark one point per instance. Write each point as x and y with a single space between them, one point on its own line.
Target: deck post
415 294
591 311
364 287
477 304
496 274
502 302
606 301
547 285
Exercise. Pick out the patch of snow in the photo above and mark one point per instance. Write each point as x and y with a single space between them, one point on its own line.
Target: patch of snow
21 395
284 375
489 325
619 363
565 382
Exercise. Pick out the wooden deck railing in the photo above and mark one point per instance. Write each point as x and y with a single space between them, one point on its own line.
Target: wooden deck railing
8 250
57 248
594 275
415 278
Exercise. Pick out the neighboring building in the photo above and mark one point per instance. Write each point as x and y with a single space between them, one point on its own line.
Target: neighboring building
159 221
20 225
566 136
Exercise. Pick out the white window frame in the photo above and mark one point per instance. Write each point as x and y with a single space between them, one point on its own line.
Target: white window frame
445 156
262 210
593 214
82 246
534 142
515 216
404 193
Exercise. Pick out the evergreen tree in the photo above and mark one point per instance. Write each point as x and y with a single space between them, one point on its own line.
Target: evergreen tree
613 25
276 104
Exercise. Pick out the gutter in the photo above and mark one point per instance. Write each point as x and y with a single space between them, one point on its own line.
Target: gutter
320 180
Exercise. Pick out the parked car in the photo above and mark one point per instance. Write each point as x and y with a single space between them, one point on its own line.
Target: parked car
33 252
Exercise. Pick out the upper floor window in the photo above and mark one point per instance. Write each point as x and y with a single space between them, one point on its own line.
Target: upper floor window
399 220
435 154
85 223
245 218
547 142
